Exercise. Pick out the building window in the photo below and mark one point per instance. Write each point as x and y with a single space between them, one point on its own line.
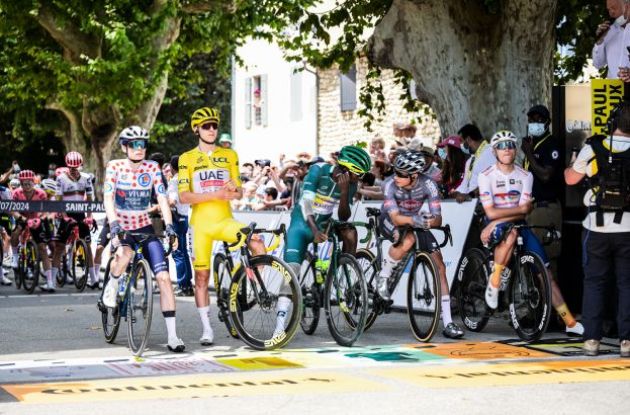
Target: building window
256 101
348 89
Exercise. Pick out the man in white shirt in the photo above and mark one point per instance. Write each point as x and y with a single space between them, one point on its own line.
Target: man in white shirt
481 158
609 48
180 222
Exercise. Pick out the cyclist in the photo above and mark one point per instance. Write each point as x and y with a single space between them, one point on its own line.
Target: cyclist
208 180
6 224
404 194
325 187
40 231
127 199
505 192
74 185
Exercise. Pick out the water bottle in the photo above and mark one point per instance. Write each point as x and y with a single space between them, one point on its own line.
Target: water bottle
122 286
505 277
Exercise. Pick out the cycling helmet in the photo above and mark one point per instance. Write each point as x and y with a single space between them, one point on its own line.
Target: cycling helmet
502 136
61 170
26 175
49 186
14 183
133 133
355 159
74 159
410 162
203 115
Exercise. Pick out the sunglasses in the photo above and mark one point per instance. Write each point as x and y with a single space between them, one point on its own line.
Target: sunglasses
210 125
402 175
344 169
506 145
137 144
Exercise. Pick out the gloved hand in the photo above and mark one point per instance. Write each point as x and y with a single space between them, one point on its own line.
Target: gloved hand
115 229
423 220
169 231
33 223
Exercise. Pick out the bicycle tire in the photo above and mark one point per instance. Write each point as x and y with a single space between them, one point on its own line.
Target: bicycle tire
244 303
141 281
311 297
64 270
222 269
80 257
367 262
531 269
110 317
17 272
30 263
351 299
424 297
472 274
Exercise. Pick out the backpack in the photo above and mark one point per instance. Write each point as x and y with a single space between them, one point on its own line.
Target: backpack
611 184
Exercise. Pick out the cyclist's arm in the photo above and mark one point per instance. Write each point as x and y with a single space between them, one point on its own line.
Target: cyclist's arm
160 192
504 213
109 191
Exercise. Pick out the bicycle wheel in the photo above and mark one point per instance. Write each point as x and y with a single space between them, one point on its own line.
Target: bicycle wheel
222 278
367 261
30 267
530 297
423 297
18 273
346 301
254 295
310 295
80 269
139 307
472 274
110 317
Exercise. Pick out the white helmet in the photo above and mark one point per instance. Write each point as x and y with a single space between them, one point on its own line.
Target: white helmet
133 133
49 186
502 136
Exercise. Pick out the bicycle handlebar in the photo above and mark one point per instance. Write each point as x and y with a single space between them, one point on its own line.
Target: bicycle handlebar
251 230
446 229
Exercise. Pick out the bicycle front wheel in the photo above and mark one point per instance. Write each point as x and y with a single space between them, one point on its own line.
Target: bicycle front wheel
254 297
530 297
80 269
139 307
472 274
346 301
423 297
222 278
367 261
110 317
310 295
30 266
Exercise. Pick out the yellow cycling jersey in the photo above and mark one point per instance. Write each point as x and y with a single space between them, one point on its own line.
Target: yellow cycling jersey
203 173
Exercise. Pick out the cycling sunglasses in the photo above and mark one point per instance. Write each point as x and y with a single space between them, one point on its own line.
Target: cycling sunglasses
402 175
210 125
506 145
344 169
137 144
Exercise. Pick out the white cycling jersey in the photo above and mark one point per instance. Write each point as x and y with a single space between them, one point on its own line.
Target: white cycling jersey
74 190
505 191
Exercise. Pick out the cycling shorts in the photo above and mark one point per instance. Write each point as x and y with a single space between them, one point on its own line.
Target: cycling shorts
426 240
530 241
299 236
203 239
65 228
41 234
152 249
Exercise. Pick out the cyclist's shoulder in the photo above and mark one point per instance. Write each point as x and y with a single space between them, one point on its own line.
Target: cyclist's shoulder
115 164
520 171
40 195
225 152
489 171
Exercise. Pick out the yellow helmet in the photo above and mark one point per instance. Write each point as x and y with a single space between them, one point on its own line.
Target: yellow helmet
203 115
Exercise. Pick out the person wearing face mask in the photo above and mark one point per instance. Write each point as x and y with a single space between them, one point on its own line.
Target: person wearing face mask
450 150
51 171
609 46
481 158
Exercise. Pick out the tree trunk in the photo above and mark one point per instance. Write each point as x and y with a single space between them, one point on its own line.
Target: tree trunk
470 65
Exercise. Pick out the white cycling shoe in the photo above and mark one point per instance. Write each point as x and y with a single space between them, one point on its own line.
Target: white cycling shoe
492 296
207 339
176 345
110 293
577 330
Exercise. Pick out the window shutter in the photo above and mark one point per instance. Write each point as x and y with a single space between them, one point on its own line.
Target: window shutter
348 89
263 96
248 102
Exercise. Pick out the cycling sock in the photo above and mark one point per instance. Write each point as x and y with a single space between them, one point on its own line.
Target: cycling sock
495 279
93 275
446 310
54 271
282 310
566 315
205 319
97 270
388 265
49 279
169 319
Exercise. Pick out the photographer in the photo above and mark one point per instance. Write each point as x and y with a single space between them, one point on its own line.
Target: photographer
606 241
609 48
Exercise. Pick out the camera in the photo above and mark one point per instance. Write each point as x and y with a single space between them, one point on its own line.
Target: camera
263 163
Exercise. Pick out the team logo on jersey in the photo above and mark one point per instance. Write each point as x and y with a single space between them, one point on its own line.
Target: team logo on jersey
144 179
161 189
108 188
512 181
500 183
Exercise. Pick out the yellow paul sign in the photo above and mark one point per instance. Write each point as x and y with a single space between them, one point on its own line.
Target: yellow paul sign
605 94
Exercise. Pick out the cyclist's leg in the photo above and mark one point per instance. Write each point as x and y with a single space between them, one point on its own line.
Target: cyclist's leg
59 240
532 243
299 235
84 233
122 256
15 239
502 253
202 251
348 235
392 256
103 240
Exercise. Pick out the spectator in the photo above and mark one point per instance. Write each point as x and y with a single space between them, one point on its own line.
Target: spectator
454 161
51 171
271 200
167 172
154 211
377 149
249 199
433 171
225 140
609 47
180 222
481 158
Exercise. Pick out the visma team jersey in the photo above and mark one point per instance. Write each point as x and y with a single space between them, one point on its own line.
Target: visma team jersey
408 202
132 191
505 191
38 194
70 189
204 173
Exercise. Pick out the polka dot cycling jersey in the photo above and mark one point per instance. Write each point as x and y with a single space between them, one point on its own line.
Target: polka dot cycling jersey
505 190
132 191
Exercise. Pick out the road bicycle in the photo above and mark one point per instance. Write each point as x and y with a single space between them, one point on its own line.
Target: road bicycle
525 289
27 272
75 261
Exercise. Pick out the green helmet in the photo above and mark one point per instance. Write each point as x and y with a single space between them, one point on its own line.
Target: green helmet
355 159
